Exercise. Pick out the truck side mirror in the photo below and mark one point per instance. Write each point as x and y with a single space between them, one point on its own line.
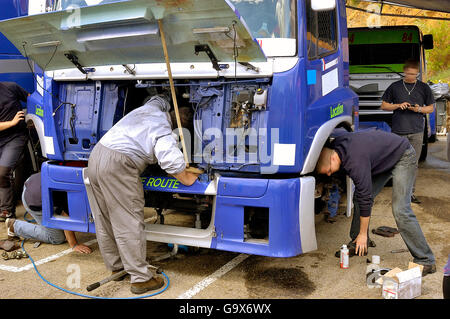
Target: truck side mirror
427 42
323 5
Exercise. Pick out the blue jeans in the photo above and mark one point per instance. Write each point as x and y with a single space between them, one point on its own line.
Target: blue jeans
37 231
403 175
416 141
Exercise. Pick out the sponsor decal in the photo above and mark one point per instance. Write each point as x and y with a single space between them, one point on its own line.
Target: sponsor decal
337 110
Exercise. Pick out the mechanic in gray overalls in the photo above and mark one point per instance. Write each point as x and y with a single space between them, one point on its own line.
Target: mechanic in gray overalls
142 137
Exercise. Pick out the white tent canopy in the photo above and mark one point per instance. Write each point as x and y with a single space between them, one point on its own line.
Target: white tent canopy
434 5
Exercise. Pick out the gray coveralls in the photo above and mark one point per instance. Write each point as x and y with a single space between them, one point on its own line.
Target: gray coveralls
142 137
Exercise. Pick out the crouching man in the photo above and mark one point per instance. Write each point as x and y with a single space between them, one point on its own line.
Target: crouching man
371 158
32 201
142 137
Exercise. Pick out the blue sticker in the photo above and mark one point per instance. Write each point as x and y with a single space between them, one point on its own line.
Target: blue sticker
311 77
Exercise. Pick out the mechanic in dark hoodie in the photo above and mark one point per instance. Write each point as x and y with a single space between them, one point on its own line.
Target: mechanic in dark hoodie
370 159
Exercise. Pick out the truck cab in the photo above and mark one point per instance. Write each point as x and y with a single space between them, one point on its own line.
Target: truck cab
267 83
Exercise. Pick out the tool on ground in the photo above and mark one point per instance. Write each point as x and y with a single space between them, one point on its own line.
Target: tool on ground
172 90
385 231
373 276
116 276
396 251
16 254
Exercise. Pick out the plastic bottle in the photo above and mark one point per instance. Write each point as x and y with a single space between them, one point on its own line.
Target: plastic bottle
344 257
374 266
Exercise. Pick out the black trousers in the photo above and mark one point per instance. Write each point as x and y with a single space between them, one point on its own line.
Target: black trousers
446 287
10 154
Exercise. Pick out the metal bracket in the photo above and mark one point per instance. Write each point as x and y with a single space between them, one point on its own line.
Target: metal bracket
205 48
249 66
129 70
74 59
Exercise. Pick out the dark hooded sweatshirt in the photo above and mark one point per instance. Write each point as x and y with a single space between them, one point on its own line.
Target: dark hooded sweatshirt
366 154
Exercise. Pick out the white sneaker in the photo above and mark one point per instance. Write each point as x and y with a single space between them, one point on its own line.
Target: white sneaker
9 222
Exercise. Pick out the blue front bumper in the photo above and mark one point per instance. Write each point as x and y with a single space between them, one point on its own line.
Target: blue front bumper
289 203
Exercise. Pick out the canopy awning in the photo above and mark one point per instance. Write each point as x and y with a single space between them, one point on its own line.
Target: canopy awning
434 5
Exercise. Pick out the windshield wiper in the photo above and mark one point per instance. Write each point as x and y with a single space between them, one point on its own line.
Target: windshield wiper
205 48
74 59
380 67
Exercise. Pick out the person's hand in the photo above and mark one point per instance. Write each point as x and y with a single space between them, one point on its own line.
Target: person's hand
361 244
186 178
82 249
404 105
20 116
414 108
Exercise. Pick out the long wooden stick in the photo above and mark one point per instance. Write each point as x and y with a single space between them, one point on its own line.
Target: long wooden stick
172 90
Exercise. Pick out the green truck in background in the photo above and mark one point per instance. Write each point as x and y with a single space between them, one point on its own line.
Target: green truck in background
376 57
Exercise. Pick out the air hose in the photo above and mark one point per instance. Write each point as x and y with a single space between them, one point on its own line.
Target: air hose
88 296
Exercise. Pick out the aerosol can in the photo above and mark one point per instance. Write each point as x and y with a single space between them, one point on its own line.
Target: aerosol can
344 257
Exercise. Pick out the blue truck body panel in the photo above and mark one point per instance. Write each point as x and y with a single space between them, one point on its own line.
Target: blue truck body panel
300 100
13 66
284 235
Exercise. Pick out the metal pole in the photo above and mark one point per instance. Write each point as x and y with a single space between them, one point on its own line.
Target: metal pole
172 90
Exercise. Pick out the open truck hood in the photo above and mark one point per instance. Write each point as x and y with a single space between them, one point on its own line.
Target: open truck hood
127 33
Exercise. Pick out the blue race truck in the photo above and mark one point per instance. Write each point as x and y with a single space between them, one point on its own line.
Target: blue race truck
267 82
377 56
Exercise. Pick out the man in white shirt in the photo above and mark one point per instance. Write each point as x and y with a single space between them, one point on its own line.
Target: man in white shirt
142 137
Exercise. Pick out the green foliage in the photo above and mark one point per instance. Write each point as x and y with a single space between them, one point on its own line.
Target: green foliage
438 59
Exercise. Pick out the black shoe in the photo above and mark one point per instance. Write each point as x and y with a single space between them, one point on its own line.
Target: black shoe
6 214
415 200
428 269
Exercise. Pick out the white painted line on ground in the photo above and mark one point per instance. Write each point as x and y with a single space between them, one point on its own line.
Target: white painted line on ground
213 277
52 257
44 260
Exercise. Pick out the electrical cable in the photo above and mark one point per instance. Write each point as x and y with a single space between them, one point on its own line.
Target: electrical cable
39 83
28 220
88 296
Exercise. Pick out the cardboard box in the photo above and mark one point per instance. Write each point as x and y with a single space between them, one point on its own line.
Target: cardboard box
406 284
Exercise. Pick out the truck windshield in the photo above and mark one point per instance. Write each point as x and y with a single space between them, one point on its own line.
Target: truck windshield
268 18
265 18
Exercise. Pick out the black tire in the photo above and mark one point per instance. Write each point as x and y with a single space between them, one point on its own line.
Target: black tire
423 154
448 147
432 138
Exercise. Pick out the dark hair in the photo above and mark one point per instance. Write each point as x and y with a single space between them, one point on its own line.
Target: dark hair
412 64
186 118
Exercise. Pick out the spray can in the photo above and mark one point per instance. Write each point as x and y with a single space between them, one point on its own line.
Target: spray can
344 257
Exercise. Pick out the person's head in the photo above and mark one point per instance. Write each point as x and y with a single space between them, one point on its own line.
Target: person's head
328 162
186 118
411 70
